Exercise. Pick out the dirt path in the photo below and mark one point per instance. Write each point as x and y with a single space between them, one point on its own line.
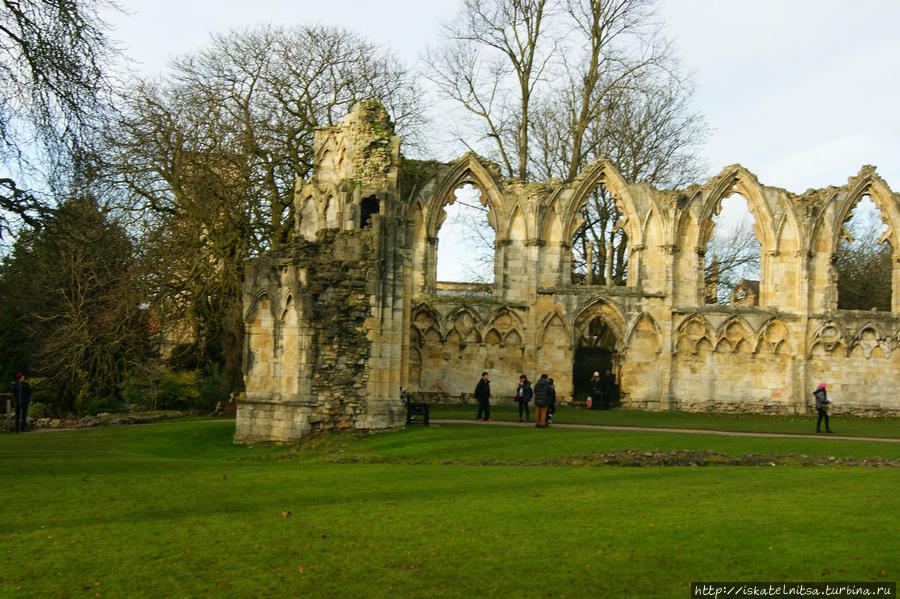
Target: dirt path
688 431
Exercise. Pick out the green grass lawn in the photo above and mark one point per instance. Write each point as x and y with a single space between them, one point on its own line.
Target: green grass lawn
853 426
176 510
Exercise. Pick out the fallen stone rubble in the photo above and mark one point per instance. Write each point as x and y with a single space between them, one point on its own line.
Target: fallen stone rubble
104 419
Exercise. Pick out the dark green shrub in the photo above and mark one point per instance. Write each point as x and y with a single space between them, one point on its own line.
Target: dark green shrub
38 410
213 389
110 403
163 390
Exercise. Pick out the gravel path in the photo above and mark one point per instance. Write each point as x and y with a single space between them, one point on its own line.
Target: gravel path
688 431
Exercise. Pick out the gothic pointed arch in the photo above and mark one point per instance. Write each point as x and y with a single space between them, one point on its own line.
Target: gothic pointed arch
735 335
603 172
830 337
493 337
736 179
603 308
774 338
261 339
868 183
551 320
871 341
260 301
307 219
516 226
693 333
286 302
419 240
466 323
424 317
684 225
504 319
644 321
650 271
469 169
553 254
551 226
652 226
787 233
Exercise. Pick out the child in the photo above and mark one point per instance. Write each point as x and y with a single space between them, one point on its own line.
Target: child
551 409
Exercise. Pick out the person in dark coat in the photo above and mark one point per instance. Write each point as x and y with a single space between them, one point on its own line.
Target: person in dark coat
822 402
542 390
21 396
551 409
483 395
608 386
523 396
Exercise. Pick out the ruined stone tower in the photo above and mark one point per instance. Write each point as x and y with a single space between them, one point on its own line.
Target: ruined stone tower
325 316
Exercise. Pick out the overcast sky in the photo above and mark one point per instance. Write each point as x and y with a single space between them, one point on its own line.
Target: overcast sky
801 92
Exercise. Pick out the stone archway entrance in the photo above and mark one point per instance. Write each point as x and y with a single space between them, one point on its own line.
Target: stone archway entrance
596 350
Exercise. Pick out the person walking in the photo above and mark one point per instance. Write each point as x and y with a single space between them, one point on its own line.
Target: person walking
21 396
524 393
483 395
822 402
542 390
551 408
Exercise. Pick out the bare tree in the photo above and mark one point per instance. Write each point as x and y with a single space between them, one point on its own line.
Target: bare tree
864 263
209 157
494 57
52 81
732 254
596 78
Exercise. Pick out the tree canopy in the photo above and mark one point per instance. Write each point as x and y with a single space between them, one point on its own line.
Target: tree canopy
53 81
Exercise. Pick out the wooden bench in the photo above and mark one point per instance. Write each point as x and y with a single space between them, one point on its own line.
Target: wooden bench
416 413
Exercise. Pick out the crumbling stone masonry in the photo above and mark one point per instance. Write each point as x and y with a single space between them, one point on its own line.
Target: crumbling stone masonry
351 311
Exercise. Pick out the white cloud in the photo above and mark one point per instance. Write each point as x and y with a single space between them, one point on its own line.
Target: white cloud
801 92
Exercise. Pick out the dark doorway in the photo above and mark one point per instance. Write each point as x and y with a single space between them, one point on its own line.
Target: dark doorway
596 352
368 207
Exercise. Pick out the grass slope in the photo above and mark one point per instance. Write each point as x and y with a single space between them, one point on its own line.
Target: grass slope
176 510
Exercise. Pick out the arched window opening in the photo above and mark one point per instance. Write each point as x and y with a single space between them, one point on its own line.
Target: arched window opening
600 245
597 351
732 258
367 208
863 260
465 251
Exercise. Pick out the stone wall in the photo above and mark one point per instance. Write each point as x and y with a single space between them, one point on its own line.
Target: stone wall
352 311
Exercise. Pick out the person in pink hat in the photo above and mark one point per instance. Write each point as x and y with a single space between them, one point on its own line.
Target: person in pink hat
822 402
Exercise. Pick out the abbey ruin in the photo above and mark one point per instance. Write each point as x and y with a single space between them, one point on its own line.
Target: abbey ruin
351 311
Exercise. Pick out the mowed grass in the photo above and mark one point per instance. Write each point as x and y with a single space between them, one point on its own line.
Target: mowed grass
845 425
177 510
